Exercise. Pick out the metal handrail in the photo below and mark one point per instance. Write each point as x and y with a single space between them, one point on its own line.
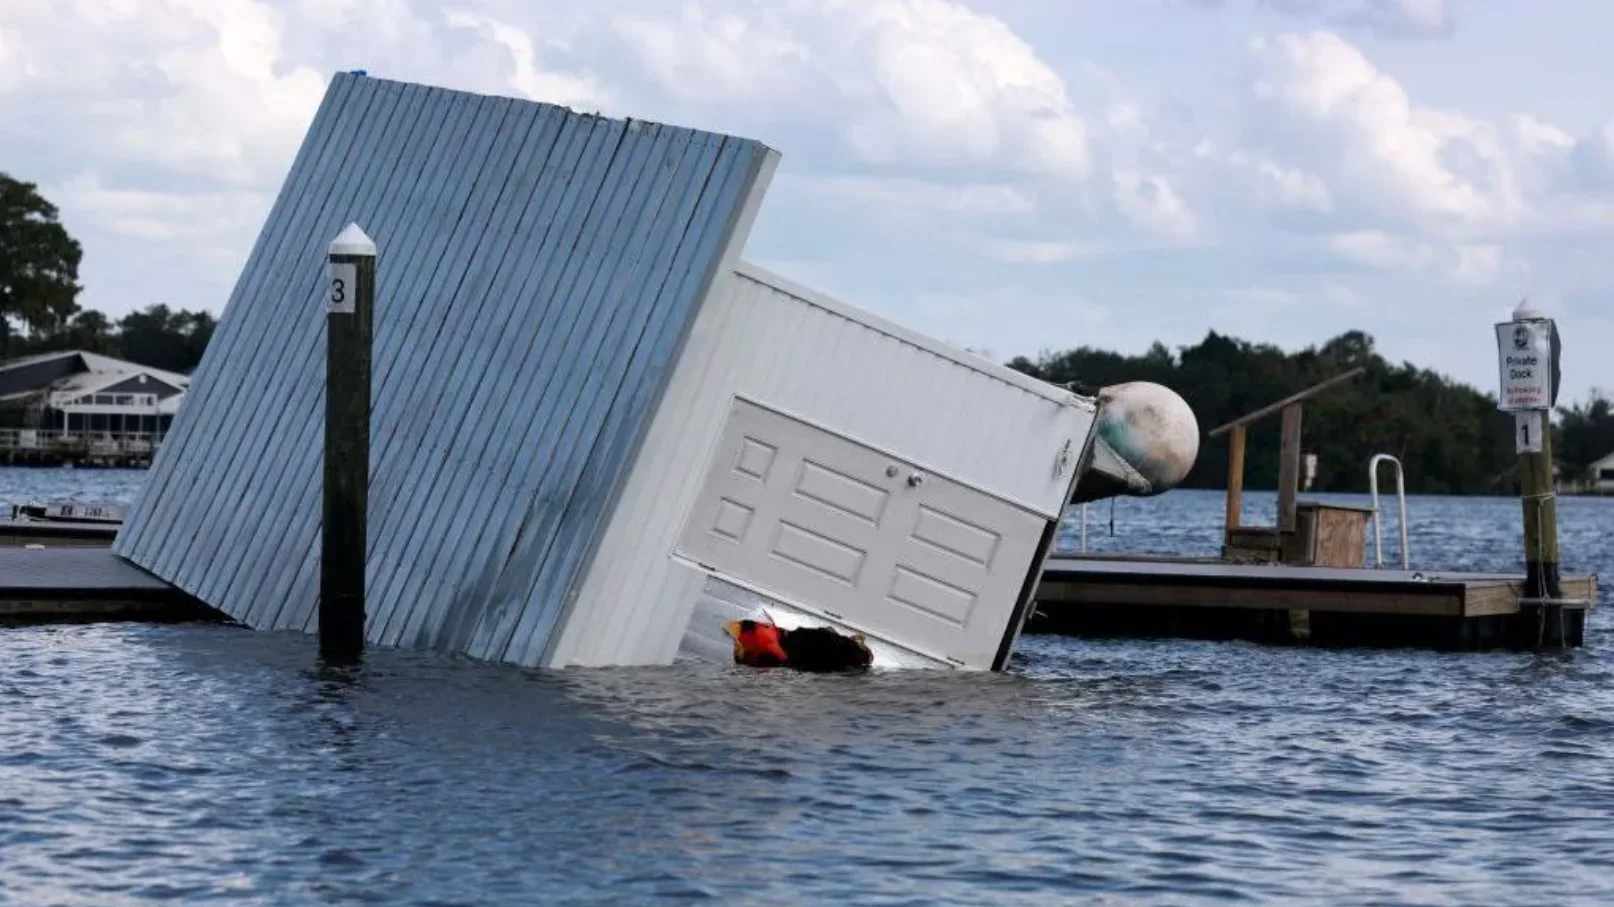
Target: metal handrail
1401 497
1290 400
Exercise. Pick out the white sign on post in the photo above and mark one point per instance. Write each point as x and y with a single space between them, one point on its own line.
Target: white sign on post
1527 431
1524 360
344 280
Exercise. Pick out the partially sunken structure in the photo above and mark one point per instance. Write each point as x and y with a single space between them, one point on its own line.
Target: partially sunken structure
595 431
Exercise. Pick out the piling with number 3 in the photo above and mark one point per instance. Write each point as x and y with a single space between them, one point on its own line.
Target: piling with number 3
350 304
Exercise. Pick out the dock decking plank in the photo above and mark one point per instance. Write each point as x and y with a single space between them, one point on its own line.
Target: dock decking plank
63 572
75 584
19 533
94 583
1190 582
1190 598
1261 575
1440 600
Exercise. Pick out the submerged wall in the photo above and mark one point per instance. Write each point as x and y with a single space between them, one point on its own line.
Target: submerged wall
539 271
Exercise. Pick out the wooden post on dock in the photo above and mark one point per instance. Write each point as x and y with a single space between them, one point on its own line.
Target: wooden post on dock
1527 361
1289 468
1540 516
350 301
1235 476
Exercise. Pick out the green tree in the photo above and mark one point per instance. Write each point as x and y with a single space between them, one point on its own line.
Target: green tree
1585 434
88 330
1449 437
155 336
38 263
198 330
162 338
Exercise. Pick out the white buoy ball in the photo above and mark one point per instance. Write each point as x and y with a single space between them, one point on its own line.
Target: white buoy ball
1151 429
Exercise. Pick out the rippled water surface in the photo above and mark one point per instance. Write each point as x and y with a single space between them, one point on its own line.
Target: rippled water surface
202 764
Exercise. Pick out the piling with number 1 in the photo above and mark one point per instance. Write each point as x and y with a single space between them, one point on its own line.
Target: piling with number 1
350 302
1528 364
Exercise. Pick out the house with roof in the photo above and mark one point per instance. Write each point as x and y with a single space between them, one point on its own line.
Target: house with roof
1602 474
76 392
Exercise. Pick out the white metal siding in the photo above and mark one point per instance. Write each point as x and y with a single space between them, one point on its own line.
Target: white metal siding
976 422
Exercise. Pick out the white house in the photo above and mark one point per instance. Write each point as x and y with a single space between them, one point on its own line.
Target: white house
79 392
1602 474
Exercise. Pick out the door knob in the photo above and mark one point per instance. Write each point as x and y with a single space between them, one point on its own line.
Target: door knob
914 479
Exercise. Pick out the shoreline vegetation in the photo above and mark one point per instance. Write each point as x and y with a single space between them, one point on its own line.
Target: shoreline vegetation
1449 436
39 308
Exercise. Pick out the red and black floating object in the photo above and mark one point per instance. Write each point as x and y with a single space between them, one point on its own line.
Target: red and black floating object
760 644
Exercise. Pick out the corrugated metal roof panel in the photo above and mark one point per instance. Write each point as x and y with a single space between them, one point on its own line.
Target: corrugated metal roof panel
538 272
98 363
774 340
36 358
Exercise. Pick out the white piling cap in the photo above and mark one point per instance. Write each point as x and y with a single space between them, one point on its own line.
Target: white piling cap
1525 311
353 241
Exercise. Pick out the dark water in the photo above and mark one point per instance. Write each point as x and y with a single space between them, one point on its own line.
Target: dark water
142 765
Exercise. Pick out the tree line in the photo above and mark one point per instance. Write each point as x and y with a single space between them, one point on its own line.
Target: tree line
39 308
1449 436
156 336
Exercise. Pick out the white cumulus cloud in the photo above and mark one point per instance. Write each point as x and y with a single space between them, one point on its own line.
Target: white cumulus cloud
1150 202
1378 249
1399 18
529 77
157 215
1369 138
956 162
933 82
192 85
716 56
951 85
974 200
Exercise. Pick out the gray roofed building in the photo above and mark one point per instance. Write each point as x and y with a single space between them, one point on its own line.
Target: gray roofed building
76 391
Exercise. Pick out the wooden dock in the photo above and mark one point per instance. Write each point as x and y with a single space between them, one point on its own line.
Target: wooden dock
1207 599
86 584
54 448
1303 579
57 533
79 579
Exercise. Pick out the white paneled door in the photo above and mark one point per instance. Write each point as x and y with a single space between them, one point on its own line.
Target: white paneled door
866 538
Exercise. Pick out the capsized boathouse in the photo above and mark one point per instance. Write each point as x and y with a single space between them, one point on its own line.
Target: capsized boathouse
589 414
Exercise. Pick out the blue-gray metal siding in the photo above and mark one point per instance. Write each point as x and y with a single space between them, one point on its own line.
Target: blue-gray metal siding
538 272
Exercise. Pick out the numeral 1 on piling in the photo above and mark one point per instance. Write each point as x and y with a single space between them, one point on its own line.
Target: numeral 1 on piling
1528 437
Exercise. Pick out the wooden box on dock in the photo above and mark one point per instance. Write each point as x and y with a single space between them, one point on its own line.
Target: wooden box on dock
1325 535
1328 535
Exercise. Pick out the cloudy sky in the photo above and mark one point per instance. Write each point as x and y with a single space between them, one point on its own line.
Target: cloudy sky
1010 175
